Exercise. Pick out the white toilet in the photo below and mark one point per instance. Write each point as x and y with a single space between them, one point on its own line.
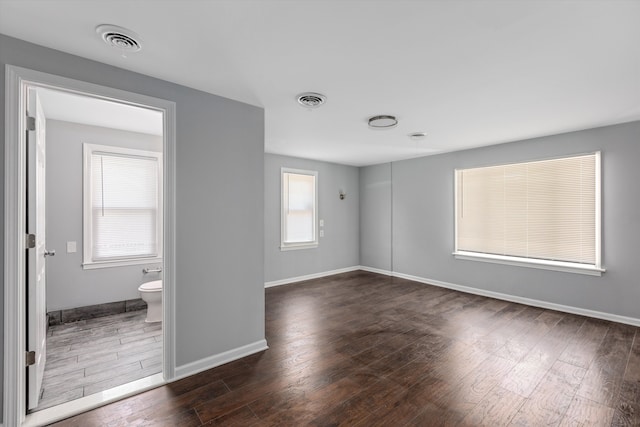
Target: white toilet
151 293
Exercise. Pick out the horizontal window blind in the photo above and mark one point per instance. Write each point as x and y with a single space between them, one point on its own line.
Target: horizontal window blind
299 199
124 206
543 209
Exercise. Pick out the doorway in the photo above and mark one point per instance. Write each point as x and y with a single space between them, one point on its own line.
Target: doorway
99 163
24 303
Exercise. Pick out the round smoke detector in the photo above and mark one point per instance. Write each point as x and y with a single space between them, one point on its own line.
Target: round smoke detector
120 38
383 122
311 99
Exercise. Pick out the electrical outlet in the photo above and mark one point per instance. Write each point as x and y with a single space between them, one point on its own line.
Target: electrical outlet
321 233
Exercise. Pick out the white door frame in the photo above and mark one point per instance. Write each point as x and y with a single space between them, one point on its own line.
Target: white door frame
17 78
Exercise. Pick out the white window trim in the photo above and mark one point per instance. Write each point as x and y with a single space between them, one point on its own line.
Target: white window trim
568 267
284 246
87 243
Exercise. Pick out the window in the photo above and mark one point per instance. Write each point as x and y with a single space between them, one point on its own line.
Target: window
299 209
122 206
539 214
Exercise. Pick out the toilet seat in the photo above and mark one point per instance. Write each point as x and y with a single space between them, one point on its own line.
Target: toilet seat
154 286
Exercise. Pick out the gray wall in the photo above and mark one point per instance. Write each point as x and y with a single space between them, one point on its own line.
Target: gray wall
375 216
423 222
219 277
339 248
68 284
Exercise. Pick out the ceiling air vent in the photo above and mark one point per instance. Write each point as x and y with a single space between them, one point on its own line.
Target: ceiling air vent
311 99
120 38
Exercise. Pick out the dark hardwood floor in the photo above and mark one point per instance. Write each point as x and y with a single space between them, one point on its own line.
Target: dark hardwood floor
369 350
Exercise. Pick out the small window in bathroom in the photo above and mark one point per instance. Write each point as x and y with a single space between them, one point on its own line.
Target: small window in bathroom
299 209
122 206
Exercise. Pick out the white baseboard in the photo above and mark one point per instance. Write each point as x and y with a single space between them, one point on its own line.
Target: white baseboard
522 300
219 359
310 276
376 270
476 291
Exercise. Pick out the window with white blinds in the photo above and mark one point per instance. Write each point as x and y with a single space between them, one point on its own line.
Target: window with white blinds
546 212
299 209
123 209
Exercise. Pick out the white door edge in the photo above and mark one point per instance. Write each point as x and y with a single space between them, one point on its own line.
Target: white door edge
36 259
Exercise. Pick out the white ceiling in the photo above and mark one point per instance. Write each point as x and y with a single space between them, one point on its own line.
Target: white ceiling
469 73
69 107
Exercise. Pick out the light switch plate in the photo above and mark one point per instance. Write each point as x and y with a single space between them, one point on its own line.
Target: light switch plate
71 247
322 223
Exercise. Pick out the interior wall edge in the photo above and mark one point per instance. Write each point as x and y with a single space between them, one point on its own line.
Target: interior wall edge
339 236
216 360
376 270
218 136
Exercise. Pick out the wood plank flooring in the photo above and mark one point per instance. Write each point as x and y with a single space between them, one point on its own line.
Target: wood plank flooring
363 349
93 355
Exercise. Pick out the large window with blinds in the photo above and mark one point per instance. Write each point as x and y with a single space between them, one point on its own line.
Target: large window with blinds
299 209
122 206
542 214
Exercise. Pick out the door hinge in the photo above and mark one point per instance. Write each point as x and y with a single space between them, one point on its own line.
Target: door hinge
31 123
30 358
30 241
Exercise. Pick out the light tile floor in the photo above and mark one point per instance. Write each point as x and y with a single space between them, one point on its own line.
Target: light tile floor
93 355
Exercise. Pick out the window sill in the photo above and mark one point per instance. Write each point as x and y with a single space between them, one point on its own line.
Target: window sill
298 247
120 263
567 267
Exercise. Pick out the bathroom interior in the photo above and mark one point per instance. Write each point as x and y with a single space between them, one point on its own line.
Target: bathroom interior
104 241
